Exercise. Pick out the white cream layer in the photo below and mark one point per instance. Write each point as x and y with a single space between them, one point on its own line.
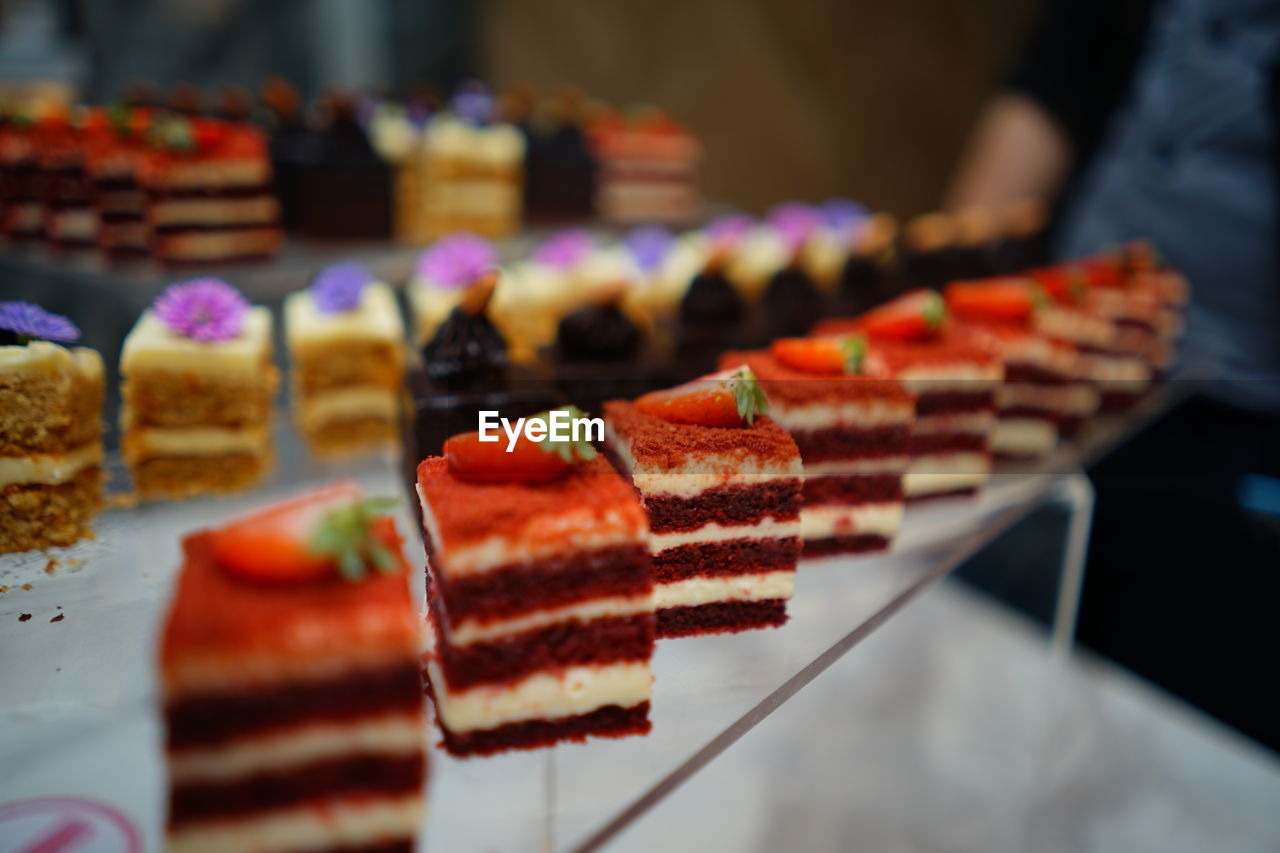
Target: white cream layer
344 404
704 471
568 692
570 532
471 631
45 357
825 521
152 346
964 422
1075 398
945 472
49 469
396 734
204 441
857 467
1024 437
375 318
713 532
858 415
693 592
337 824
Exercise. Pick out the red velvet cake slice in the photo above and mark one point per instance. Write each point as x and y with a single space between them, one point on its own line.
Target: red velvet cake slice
853 435
954 382
540 596
291 682
723 501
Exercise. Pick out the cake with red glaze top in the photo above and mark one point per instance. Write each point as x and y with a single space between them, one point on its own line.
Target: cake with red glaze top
540 597
291 683
724 513
852 434
953 379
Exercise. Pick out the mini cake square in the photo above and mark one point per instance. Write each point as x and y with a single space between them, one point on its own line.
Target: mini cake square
347 357
196 413
541 607
853 434
50 437
724 517
292 693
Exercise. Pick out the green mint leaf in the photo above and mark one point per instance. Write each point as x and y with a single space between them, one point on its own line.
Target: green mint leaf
747 394
855 352
345 535
570 451
934 310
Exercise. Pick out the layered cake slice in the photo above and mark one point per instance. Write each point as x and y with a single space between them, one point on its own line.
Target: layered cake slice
111 165
209 191
50 430
721 483
292 691
648 169
1045 383
540 594
953 380
346 347
853 435
197 388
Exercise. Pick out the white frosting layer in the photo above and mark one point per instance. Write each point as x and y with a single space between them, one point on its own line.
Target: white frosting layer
963 422
709 590
315 410
49 469
152 346
857 467
860 414
471 631
150 442
945 472
1128 372
397 734
712 532
46 357
306 827
376 318
1076 398
872 519
567 692
698 473
570 532
1024 437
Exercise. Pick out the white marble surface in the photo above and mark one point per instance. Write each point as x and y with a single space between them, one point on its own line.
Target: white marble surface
951 729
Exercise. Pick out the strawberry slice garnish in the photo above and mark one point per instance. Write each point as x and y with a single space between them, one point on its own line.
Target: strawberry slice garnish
1103 271
308 537
822 354
478 461
724 399
1064 283
1002 300
913 316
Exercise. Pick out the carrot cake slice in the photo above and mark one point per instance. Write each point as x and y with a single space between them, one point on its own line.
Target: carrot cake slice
50 430
290 682
197 387
347 352
721 483
540 595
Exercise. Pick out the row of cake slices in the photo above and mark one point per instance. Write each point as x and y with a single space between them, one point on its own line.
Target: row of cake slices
138 182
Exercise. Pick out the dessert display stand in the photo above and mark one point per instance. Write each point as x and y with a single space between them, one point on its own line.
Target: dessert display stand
78 715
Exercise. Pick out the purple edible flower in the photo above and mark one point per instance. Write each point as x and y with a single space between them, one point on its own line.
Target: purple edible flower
337 289
27 321
648 246
794 222
842 214
565 249
202 309
474 103
728 230
457 260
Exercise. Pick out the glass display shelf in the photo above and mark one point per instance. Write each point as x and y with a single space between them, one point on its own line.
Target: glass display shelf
78 713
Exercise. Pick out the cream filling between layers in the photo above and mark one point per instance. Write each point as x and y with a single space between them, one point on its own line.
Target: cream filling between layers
320 408
693 592
701 472
857 467
1024 436
470 631
566 692
202 441
317 825
1068 399
568 533
397 734
712 532
946 472
964 422
861 415
49 469
867 519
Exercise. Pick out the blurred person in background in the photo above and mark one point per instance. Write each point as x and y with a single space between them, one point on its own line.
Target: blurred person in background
1162 121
